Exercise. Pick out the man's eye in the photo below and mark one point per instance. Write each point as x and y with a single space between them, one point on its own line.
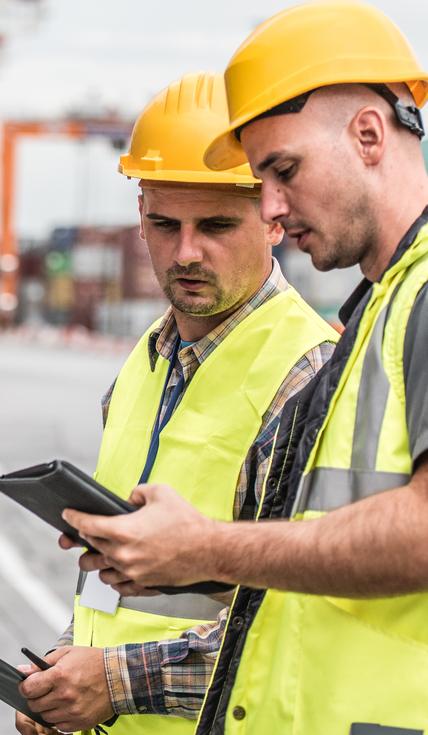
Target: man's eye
164 224
217 226
286 174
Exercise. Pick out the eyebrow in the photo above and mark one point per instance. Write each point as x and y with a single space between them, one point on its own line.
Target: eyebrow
269 160
222 219
214 218
154 215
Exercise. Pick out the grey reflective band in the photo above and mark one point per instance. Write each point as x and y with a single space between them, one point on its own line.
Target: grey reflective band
366 728
188 606
81 582
328 488
194 607
415 360
372 397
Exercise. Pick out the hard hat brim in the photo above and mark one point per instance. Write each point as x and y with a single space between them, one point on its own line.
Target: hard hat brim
225 152
191 177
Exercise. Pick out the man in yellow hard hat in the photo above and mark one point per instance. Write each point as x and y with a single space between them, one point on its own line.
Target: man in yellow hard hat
196 405
324 101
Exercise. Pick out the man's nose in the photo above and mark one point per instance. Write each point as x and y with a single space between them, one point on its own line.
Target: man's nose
188 249
274 205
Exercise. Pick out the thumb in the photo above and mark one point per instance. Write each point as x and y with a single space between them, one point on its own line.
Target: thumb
139 495
27 668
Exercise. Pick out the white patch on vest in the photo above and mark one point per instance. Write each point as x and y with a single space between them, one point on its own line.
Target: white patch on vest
99 596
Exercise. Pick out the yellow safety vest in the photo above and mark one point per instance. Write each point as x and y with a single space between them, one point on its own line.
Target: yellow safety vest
315 665
201 452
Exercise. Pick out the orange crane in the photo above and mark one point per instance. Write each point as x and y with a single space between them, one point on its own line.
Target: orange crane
13 131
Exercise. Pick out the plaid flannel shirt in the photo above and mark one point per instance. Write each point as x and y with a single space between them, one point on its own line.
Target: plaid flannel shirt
170 677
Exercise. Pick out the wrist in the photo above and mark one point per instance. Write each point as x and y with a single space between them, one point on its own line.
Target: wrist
220 564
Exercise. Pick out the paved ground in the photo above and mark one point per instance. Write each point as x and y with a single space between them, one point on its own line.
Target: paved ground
49 408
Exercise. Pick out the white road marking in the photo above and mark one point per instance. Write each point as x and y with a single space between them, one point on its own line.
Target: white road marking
40 598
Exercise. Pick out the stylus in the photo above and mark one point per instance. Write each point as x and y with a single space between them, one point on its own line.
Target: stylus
36 660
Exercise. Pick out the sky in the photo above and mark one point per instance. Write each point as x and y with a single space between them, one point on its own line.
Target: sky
115 54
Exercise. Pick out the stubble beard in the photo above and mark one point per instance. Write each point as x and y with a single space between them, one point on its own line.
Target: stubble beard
195 304
356 237
190 305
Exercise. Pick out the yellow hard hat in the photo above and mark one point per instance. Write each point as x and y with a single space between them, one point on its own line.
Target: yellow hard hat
170 136
310 46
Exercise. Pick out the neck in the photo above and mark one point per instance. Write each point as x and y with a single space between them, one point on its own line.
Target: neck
397 217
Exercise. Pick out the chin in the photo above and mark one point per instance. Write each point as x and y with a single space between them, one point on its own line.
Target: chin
192 308
324 264
328 261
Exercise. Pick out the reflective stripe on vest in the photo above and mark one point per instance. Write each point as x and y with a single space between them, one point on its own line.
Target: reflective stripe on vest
201 452
326 488
190 606
372 398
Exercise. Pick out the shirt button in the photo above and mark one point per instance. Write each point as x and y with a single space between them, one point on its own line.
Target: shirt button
239 713
237 622
272 482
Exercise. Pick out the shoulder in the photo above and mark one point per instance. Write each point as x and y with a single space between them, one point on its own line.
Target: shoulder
415 343
415 368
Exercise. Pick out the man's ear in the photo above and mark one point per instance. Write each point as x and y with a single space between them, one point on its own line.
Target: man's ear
368 131
274 234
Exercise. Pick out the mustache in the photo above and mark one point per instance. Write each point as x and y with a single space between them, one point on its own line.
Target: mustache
193 270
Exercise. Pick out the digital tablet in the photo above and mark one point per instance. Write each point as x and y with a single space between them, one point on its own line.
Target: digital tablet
47 489
9 680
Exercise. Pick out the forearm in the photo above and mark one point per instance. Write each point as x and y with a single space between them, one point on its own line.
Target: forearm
66 638
376 547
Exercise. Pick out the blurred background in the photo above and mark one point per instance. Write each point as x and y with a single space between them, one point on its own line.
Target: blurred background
76 285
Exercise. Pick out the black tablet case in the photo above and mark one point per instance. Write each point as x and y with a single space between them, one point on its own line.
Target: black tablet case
47 489
9 680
